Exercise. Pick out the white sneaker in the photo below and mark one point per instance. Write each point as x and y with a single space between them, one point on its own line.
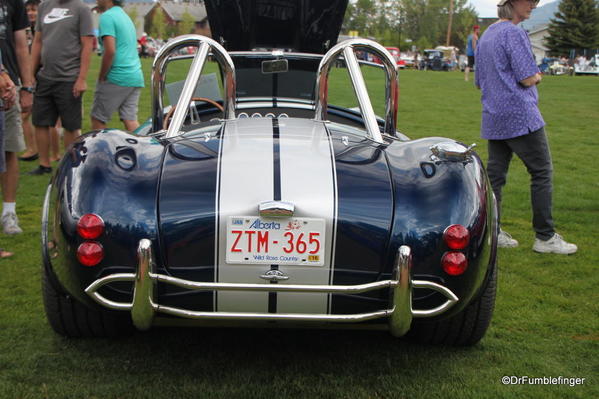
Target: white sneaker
505 240
10 223
554 245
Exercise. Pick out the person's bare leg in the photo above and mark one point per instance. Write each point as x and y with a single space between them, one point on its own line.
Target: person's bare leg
54 144
69 136
97 125
42 135
10 178
131 125
10 182
466 73
29 135
5 254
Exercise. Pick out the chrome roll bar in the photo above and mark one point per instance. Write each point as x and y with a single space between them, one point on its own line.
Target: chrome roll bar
166 53
348 47
144 306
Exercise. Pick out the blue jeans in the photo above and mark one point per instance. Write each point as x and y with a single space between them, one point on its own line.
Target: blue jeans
533 150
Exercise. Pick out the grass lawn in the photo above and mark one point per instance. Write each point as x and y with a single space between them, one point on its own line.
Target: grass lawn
546 321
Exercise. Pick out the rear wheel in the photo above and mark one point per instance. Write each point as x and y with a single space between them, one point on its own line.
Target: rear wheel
465 328
70 318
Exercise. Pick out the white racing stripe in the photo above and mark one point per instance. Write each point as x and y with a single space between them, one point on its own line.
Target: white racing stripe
246 179
307 179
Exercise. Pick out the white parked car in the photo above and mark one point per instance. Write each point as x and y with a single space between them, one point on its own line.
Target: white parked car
583 66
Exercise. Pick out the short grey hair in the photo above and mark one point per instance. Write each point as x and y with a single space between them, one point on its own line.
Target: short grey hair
505 11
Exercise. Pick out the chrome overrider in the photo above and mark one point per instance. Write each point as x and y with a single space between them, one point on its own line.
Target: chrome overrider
144 306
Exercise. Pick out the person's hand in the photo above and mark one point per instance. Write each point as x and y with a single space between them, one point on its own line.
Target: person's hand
8 90
26 101
79 88
9 97
532 80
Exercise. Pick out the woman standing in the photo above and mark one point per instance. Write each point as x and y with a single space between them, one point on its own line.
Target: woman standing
507 75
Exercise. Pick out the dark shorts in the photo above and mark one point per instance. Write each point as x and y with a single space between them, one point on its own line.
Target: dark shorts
471 61
55 99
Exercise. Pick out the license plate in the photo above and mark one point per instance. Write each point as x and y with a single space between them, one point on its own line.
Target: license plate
289 241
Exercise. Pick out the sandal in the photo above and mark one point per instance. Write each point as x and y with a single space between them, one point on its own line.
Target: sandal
5 254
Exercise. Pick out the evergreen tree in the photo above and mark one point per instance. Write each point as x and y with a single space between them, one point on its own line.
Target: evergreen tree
186 24
575 27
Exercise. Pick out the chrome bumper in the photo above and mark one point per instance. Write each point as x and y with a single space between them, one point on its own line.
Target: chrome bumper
144 306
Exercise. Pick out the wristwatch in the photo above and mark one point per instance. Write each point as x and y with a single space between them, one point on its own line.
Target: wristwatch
28 89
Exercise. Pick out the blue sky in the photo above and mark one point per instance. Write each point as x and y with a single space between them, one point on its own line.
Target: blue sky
488 8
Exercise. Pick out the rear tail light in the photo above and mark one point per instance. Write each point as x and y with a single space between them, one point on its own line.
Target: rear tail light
454 263
456 236
90 226
90 253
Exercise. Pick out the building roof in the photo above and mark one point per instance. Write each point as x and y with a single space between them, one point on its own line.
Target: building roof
143 8
176 10
540 28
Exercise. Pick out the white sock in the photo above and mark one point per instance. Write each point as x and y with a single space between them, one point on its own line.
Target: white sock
8 207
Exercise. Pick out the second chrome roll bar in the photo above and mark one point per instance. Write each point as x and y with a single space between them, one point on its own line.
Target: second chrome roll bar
348 47
169 50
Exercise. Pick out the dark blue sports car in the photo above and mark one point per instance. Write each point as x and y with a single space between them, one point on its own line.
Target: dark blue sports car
253 201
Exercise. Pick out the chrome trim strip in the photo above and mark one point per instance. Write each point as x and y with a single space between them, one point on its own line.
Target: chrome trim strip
347 47
280 104
144 308
166 54
401 318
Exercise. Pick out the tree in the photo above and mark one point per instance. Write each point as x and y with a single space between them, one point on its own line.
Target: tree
187 23
360 16
427 21
403 23
158 27
575 27
133 14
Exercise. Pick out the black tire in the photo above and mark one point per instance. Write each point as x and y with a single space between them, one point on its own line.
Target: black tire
465 328
70 318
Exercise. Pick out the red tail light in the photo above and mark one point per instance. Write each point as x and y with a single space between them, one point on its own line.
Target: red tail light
90 253
90 226
456 236
454 263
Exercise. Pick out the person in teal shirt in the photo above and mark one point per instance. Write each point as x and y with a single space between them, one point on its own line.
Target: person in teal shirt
120 79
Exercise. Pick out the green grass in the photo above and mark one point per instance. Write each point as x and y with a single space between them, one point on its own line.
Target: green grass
545 324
